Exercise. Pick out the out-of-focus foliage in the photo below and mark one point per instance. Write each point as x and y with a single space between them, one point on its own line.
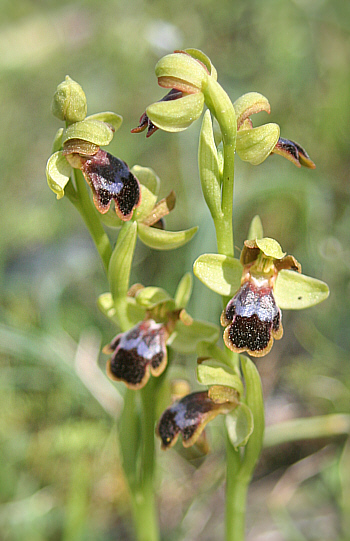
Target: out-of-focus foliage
60 476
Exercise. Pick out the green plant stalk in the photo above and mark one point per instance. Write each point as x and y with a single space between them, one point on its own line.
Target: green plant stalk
81 200
145 509
239 471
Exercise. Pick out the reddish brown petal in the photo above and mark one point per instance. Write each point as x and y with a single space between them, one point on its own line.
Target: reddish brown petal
294 153
137 353
287 262
252 319
188 417
110 178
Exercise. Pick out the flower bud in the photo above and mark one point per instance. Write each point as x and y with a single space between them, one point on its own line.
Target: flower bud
69 101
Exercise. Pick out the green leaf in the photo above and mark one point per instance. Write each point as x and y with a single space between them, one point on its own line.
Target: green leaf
256 144
219 272
93 131
212 372
147 177
107 116
185 338
294 291
58 173
149 297
121 260
240 425
205 349
183 291
209 169
270 247
164 240
255 229
176 115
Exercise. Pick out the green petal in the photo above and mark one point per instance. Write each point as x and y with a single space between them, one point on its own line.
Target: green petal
182 68
147 177
58 173
256 144
255 229
219 272
240 425
212 372
270 248
110 118
209 170
249 104
149 297
164 240
294 291
183 291
185 338
176 115
93 131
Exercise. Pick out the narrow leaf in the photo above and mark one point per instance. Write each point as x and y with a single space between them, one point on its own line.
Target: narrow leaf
212 372
121 260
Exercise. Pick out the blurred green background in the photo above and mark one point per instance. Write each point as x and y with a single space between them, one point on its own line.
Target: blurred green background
60 477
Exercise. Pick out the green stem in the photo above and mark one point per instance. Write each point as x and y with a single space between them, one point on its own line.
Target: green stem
145 510
81 200
236 495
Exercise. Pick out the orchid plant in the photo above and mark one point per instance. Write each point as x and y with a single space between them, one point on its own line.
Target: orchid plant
151 324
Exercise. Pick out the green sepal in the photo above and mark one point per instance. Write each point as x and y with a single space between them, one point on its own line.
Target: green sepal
121 261
294 291
240 425
133 311
93 131
270 247
205 349
183 291
111 219
58 173
57 142
176 115
202 57
181 71
218 272
160 239
148 200
209 170
147 177
212 372
110 118
151 296
249 104
256 144
69 101
256 230
185 338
